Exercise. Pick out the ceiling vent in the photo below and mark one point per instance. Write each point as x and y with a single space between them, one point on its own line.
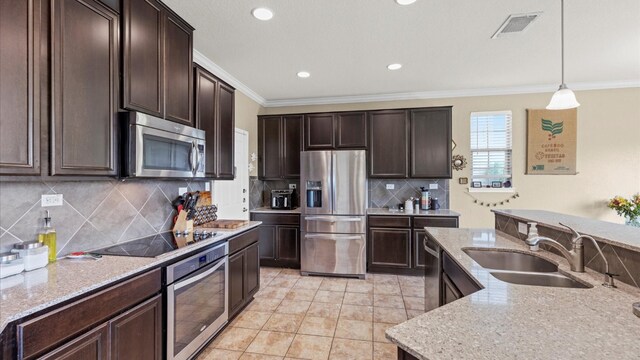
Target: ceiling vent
516 23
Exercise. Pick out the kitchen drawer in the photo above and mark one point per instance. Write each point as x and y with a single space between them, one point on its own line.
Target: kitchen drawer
447 222
277 219
459 277
243 240
53 328
390 221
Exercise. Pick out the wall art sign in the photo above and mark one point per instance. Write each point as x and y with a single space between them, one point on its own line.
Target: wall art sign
551 142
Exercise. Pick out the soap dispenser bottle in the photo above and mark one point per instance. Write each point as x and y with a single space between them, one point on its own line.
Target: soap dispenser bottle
48 237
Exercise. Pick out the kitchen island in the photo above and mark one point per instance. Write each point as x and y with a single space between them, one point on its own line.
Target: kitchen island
507 321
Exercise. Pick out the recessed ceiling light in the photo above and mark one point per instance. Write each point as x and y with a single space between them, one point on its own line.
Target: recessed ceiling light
394 66
303 74
405 2
261 13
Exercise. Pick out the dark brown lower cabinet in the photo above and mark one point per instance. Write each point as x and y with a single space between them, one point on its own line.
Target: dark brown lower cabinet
244 277
449 290
137 334
395 243
403 355
288 244
279 239
456 283
123 321
389 248
90 346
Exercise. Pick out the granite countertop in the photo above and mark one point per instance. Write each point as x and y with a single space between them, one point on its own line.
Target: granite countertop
387 211
29 292
607 232
268 210
507 321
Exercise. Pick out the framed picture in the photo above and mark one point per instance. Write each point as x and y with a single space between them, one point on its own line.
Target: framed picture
476 184
496 184
463 181
551 142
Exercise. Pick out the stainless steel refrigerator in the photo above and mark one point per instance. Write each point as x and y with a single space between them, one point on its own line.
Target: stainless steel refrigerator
333 204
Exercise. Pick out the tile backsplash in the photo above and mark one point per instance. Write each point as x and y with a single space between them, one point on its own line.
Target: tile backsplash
95 214
260 190
623 262
380 197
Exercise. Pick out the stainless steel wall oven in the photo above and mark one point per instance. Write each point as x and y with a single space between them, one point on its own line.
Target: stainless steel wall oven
197 300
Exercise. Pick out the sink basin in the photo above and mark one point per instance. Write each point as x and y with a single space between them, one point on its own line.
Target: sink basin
508 260
540 279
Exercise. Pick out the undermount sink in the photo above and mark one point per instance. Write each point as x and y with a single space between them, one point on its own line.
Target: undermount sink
540 279
508 260
522 269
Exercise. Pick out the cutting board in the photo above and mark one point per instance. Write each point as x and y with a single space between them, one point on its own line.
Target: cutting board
225 224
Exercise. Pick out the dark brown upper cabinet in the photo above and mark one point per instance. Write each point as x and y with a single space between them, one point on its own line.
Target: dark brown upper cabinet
214 113
178 57
226 111
279 146
335 131
84 79
319 131
157 61
430 143
388 144
351 130
20 87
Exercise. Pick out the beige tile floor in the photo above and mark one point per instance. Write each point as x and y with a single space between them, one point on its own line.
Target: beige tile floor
302 317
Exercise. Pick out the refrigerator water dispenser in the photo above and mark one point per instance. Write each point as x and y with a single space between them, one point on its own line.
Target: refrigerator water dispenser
314 194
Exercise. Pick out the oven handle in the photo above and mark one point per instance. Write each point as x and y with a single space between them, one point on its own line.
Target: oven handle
200 276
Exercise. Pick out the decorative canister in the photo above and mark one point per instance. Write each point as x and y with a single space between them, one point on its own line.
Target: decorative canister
10 264
34 254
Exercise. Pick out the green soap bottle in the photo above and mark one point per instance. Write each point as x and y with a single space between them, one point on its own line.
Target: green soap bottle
48 237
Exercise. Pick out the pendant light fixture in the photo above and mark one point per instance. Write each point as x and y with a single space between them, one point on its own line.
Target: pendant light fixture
563 98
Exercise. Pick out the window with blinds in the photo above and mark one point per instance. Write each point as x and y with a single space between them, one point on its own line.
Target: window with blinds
491 146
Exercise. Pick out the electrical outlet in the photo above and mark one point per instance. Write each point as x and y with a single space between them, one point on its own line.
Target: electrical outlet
390 186
433 186
292 186
523 228
182 190
207 186
51 200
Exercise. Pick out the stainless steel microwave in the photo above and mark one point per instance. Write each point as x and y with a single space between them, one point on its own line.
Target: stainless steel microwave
158 148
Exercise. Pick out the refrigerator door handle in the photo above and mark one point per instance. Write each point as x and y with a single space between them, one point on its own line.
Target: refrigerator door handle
332 219
334 163
332 236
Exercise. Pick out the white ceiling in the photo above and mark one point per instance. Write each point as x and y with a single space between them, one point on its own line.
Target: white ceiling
445 46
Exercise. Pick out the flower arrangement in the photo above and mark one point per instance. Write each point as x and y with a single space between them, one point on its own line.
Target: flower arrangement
629 208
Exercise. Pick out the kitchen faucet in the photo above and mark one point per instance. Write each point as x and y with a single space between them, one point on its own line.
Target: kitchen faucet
574 255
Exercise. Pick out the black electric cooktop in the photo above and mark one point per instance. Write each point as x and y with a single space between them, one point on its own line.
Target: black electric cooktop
150 246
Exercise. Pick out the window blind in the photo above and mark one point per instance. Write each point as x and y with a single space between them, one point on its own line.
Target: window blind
491 145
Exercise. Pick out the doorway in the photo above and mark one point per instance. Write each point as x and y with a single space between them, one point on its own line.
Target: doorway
232 197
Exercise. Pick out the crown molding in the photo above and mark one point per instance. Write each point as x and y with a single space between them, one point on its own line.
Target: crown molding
450 94
206 63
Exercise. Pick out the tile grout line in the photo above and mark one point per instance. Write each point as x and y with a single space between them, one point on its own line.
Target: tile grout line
138 212
20 218
623 266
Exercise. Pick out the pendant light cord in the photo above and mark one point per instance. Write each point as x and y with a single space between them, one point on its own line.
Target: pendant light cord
562 37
